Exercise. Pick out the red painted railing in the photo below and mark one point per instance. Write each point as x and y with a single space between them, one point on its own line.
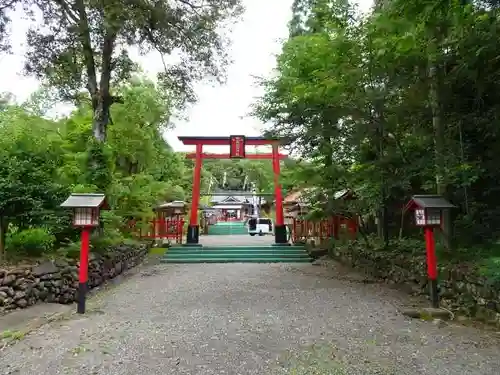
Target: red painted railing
169 228
303 230
226 219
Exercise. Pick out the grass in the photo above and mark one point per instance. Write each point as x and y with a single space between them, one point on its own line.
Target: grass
11 335
157 250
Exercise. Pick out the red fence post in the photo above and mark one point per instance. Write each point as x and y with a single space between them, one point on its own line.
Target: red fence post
335 228
352 227
180 227
324 229
162 227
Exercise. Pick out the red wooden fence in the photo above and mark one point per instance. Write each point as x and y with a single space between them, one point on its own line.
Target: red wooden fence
168 228
324 229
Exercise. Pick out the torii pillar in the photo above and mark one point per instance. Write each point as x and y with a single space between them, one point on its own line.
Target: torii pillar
193 232
279 225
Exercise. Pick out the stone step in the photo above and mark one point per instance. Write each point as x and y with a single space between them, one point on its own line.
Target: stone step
291 249
227 234
229 223
227 231
240 254
237 260
233 252
226 254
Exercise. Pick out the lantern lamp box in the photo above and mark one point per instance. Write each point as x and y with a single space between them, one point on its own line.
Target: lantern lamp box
86 208
237 147
428 209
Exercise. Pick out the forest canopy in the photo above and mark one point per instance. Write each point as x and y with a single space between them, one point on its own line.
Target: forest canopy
396 102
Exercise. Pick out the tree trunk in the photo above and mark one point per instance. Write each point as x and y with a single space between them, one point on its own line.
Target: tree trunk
4 226
439 146
103 100
378 121
100 120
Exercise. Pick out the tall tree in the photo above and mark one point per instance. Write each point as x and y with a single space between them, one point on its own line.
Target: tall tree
84 44
406 96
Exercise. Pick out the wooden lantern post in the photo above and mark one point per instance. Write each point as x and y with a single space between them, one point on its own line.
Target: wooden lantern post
86 213
428 215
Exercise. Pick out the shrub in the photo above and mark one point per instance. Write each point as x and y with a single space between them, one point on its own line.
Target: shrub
71 250
31 242
490 269
102 242
98 244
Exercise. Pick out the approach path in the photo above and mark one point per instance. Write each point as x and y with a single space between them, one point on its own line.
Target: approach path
249 319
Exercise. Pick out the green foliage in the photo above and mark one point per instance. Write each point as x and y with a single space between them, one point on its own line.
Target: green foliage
394 103
98 165
31 242
42 161
490 269
70 250
84 45
240 174
101 243
136 195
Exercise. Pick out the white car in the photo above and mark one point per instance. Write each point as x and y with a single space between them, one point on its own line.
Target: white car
260 226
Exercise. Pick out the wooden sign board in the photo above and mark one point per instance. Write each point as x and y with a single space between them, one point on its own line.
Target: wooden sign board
237 146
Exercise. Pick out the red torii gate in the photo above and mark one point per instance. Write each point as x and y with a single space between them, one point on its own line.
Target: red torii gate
237 145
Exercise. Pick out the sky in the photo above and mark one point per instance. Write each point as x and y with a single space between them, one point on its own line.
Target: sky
220 110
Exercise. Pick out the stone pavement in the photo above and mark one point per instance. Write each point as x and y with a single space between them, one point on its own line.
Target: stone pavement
20 322
249 319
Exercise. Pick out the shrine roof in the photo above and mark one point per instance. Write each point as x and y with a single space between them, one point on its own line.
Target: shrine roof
85 200
231 196
428 201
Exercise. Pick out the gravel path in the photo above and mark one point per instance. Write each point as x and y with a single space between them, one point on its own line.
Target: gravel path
248 319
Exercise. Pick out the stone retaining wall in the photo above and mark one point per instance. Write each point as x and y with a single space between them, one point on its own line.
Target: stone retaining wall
58 281
462 288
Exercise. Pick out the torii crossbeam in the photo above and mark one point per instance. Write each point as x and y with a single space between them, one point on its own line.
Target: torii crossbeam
237 145
266 156
246 194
